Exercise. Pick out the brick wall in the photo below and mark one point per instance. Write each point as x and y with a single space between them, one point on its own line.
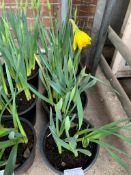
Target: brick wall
85 8
85 12
55 9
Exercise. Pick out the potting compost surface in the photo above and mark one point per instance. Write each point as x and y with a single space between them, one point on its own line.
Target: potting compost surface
67 160
22 103
24 150
103 107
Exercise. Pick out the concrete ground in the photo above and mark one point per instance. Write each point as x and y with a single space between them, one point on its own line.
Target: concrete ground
103 107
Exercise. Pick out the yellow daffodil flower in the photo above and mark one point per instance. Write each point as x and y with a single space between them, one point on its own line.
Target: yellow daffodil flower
81 39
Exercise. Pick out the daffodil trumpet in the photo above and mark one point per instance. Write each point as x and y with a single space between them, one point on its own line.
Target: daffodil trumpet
81 39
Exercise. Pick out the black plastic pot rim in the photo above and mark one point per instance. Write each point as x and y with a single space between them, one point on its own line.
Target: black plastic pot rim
32 76
28 109
42 136
28 161
32 105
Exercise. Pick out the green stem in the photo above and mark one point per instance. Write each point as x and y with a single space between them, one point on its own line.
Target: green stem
59 149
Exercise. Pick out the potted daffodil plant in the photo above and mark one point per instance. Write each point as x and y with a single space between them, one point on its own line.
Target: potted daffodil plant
59 64
18 46
17 135
66 144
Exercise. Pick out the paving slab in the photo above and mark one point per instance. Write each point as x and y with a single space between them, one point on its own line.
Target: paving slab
103 107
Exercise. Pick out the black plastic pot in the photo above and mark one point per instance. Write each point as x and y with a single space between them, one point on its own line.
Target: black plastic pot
32 79
47 162
28 114
46 106
28 162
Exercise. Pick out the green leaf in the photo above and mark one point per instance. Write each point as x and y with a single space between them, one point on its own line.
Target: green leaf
5 131
59 141
127 126
2 152
119 161
82 75
55 86
111 147
124 138
70 64
58 106
9 80
44 61
38 94
77 59
52 124
72 94
3 81
114 124
65 70
67 123
83 72
8 143
85 142
11 161
86 152
79 109
14 112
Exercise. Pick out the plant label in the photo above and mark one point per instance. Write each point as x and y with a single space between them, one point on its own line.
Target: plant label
2 172
74 171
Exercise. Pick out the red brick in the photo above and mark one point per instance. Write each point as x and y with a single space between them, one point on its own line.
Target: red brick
84 2
46 21
87 10
51 1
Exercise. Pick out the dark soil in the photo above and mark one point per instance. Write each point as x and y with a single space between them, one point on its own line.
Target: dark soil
22 103
67 160
24 150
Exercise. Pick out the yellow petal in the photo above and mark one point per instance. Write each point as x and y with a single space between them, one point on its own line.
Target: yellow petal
82 39
79 43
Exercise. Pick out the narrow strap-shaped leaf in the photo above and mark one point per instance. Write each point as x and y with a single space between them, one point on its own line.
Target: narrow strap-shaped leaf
9 80
11 161
111 147
85 151
8 143
5 131
59 141
52 124
120 161
2 152
79 108
38 94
